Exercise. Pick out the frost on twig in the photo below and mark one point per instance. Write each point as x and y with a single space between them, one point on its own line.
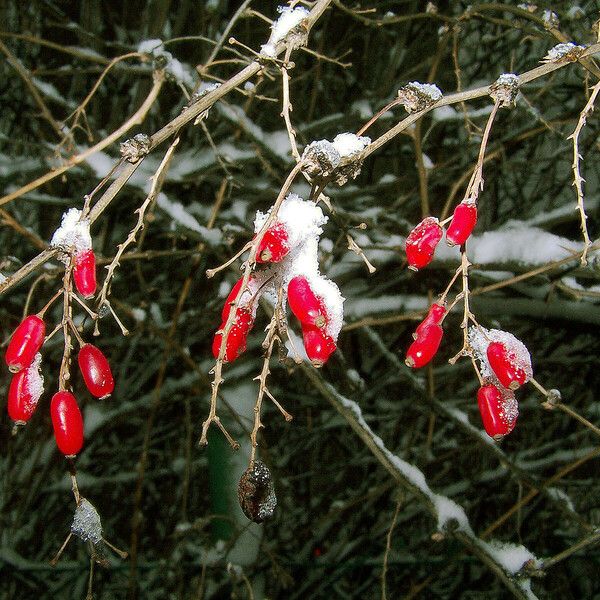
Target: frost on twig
550 19
505 89
564 52
136 148
417 96
291 27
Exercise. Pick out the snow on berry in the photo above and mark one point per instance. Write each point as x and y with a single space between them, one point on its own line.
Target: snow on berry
421 243
25 390
287 26
274 244
505 365
302 220
517 355
25 342
73 233
499 410
86 522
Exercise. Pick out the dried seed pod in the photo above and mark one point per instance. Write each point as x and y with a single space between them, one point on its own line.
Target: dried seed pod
256 493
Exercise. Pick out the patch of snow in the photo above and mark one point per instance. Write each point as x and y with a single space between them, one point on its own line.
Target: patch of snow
74 232
289 18
34 380
561 50
350 144
430 90
302 219
178 213
511 557
445 508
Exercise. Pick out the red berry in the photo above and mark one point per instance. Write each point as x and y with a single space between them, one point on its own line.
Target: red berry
24 392
67 423
84 273
318 345
434 317
245 301
421 243
96 371
462 224
307 307
25 343
237 338
425 346
274 245
498 411
506 366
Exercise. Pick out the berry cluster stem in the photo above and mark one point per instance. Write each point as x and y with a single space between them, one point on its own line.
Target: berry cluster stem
248 267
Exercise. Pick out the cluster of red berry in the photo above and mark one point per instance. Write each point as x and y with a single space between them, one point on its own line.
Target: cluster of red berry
23 360
505 363
313 299
423 239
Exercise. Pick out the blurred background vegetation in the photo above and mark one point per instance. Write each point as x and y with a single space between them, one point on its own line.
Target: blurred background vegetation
327 538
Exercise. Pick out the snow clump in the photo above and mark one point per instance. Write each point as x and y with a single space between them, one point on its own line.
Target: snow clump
73 233
567 51
287 26
417 96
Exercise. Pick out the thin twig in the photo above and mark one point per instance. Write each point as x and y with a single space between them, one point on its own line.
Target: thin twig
578 180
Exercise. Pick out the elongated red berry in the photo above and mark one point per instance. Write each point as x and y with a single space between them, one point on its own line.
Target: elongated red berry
506 365
434 317
237 337
307 307
25 343
318 345
84 273
463 222
24 392
425 346
274 244
421 243
67 423
498 409
96 372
